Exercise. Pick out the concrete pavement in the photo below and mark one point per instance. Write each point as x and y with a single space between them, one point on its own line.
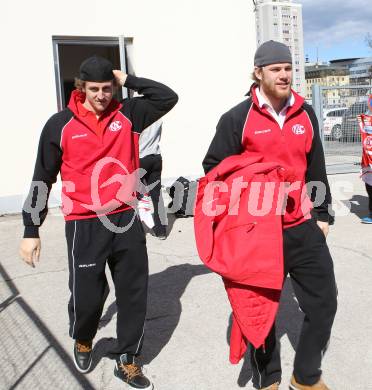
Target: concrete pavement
186 340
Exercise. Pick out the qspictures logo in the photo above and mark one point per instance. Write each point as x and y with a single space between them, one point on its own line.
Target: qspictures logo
130 185
260 202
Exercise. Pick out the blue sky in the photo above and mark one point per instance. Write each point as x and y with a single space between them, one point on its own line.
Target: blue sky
337 28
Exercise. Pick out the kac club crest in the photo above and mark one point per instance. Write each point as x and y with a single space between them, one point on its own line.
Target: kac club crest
115 126
368 143
298 129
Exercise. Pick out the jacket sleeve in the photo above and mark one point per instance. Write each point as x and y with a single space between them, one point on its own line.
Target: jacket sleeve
47 167
316 172
156 101
228 138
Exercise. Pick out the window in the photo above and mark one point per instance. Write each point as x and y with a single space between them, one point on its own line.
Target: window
70 51
340 112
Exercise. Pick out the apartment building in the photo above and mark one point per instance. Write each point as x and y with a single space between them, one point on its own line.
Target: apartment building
282 21
361 71
353 72
327 76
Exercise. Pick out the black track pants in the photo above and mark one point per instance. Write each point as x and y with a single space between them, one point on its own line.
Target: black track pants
369 192
90 245
310 266
153 165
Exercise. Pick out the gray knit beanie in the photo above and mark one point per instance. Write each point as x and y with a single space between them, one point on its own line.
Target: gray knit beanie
272 52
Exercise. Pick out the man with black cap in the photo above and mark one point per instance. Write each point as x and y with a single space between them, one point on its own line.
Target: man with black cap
93 144
276 123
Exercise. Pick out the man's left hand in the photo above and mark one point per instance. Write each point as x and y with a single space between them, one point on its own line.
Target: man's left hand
324 227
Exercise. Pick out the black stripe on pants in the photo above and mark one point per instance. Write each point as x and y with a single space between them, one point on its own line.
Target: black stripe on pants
90 245
310 266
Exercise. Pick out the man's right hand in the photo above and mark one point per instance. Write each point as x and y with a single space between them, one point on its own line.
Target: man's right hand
29 250
120 76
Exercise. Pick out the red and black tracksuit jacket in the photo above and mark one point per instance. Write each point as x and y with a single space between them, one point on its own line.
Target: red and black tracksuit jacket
247 127
296 146
96 164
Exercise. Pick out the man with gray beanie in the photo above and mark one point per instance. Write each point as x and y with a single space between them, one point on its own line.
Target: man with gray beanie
276 123
93 143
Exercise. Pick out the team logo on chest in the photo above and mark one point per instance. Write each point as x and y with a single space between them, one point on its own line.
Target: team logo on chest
115 126
368 143
298 129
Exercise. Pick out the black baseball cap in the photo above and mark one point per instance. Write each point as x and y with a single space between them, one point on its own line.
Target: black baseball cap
96 69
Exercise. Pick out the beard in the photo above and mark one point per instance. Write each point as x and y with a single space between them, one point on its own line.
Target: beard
273 90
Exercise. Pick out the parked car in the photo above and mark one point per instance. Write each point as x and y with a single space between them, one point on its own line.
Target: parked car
332 119
350 131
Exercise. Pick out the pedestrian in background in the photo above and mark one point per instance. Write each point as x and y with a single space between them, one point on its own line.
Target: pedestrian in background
365 125
151 160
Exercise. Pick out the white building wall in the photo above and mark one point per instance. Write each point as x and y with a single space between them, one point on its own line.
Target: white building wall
202 49
282 21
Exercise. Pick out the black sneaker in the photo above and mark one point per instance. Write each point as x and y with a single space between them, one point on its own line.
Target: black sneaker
131 373
83 355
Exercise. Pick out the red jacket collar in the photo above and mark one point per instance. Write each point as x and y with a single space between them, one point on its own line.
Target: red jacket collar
76 106
298 103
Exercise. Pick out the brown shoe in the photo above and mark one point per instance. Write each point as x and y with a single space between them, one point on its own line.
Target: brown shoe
274 386
318 386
